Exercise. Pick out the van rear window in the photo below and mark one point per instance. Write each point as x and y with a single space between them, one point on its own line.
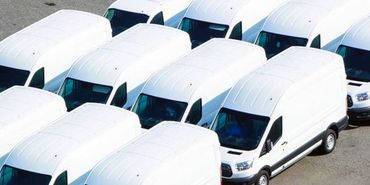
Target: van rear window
122 20
13 176
10 77
239 130
275 43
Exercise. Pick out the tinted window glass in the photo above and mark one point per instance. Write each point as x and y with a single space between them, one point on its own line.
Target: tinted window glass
76 93
195 113
276 131
38 79
237 32
122 20
152 110
120 97
10 77
62 179
239 130
14 176
158 19
316 43
357 63
275 43
200 31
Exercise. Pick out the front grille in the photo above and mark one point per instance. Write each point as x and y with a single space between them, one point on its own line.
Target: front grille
349 101
226 170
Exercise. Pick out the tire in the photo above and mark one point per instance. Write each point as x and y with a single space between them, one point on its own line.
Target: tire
263 178
329 142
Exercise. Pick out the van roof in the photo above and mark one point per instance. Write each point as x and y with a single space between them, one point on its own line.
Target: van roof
214 62
217 11
134 47
71 135
19 103
260 91
24 49
358 35
299 18
148 7
161 145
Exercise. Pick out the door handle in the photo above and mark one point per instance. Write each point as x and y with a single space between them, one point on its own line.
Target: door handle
284 143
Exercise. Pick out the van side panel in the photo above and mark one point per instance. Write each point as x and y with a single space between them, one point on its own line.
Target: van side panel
309 113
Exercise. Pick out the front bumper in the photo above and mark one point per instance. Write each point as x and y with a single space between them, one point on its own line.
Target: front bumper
239 181
359 114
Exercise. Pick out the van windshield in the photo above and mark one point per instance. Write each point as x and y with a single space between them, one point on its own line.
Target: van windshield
14 176
239 130
121 20
152 110
10 77
200 31
357 63
275 43
76 93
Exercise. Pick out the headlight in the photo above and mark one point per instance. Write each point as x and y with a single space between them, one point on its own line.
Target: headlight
244 165
363 96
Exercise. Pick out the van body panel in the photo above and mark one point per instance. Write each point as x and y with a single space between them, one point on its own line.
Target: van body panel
25 110
67 144
166 154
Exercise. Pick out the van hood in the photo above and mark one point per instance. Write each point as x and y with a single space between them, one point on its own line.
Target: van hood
233 156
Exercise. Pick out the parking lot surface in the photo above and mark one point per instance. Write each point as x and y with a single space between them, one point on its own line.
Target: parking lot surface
348 164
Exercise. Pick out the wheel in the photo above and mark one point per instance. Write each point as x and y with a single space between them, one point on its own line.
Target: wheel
262 178
329 141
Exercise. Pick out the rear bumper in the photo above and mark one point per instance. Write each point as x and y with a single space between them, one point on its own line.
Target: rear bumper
359 114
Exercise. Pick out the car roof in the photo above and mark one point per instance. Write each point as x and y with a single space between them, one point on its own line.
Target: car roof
358 35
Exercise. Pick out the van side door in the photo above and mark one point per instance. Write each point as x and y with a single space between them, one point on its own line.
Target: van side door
273 151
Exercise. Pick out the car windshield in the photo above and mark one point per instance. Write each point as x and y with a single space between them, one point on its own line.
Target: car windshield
239 130
201 31
275 43
14 176
152 110
122 20
76 93
10 77
357 63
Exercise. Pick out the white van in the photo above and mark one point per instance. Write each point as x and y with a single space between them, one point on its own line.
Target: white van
192 89
116 72
124 14
40 55
64 152
355 50
168 154
310 23
25 110
235 19
281 112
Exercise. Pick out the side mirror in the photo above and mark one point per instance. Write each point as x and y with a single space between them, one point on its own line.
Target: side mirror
269 145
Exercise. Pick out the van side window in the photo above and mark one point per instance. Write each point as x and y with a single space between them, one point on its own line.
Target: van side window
276 131
38 79
158 19
274 135
62 179
120 97
195 113
316 43
237 32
